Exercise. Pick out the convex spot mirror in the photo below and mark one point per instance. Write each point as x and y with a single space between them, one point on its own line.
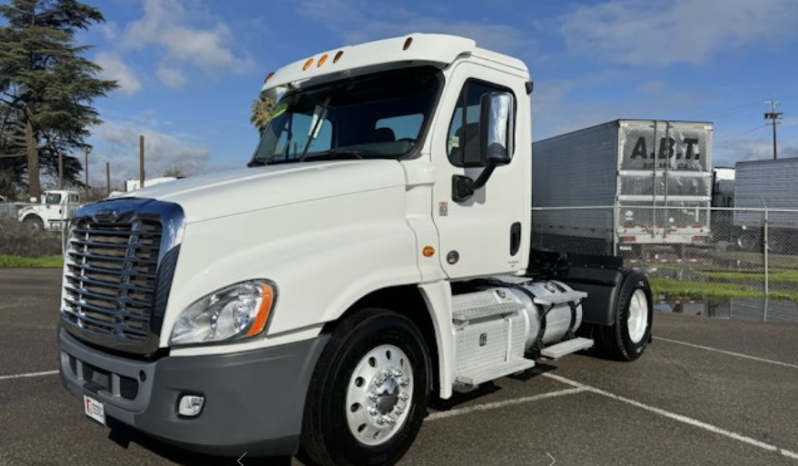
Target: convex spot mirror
496 131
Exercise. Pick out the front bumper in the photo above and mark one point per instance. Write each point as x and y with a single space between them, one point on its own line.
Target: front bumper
254 400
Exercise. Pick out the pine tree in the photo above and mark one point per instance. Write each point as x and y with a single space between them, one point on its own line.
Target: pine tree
47 87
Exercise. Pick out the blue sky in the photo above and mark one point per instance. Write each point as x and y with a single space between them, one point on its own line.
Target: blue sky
189 69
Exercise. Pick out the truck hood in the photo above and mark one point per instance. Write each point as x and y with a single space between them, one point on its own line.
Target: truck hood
234 192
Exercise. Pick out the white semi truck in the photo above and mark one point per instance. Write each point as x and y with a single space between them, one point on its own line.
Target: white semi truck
375 255
55 209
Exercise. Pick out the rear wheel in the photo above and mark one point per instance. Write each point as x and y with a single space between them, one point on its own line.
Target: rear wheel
369 393
630 333
749 241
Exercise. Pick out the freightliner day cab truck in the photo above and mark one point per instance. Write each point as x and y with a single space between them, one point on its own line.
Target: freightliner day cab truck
374 256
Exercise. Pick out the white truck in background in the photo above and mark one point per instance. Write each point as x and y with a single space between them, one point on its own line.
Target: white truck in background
375 255
623 185
55 209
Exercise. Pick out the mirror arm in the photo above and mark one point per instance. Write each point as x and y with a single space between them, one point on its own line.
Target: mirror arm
483 177
464 187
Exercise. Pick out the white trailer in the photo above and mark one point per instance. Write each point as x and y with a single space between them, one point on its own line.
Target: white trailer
374 255
623 183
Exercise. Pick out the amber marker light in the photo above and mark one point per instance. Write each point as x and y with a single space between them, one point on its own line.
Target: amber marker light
429 251
307 64
408 43
269 76
267 300
338 56
322 60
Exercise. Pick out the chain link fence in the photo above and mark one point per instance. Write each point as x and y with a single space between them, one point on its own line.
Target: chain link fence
723 262
36 237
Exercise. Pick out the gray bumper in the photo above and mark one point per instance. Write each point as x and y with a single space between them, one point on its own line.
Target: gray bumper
254 400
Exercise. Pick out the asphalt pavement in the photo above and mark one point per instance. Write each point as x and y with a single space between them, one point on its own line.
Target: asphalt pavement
706 392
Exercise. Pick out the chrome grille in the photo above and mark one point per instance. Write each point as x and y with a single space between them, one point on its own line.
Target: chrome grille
112 275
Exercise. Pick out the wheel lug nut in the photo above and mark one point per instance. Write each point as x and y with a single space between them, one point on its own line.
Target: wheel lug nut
404 397
374 411
373 396
380 421
398 410
396 373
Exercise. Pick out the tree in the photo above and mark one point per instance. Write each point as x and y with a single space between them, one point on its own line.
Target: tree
262 111
47 87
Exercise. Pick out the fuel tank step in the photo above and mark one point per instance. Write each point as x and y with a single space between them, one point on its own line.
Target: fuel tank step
478 376
565 348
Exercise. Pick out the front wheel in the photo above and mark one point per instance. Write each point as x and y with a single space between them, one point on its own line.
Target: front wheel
630 333
34 223
369 393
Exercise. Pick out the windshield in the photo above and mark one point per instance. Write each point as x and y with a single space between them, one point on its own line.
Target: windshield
380 115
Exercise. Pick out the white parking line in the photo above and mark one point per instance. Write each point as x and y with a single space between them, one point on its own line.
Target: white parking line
676 417
28 375
501 404
728 353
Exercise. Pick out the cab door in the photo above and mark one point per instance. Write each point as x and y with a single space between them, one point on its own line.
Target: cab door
486 233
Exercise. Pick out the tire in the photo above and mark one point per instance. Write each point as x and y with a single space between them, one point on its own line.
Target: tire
341 424
749 241
628 337
34 223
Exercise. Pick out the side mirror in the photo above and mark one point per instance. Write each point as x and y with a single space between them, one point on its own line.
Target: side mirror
496 130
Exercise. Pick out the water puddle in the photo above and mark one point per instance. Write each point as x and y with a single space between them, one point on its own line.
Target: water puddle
745 309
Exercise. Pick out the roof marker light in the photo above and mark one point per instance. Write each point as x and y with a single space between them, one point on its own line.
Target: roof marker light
269 76
307 64
408 43
338 56
322 60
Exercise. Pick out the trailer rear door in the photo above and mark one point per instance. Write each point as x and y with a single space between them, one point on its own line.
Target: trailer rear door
664 182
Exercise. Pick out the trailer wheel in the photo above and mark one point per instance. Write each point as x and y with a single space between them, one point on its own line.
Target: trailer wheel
749 241
34 223
369 392
628 337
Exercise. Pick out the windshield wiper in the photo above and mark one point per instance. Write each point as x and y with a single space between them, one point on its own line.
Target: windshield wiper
315 130
344 152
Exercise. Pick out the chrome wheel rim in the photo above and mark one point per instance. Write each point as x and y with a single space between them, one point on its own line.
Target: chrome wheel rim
379 395
638 316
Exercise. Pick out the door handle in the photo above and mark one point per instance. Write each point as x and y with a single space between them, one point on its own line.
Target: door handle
515 238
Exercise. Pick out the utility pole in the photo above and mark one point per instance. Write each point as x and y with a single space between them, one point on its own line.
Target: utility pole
141 161
107 178
773 116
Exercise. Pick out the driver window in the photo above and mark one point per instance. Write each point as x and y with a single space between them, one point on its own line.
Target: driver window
462 146
53 199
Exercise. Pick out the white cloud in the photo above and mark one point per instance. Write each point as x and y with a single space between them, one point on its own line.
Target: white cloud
118 144
351 21
167 25
641 32
171 76
116 69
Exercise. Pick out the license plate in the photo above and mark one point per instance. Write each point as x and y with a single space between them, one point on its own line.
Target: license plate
94 409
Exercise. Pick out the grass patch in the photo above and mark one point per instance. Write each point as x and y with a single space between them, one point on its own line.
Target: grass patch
779 276
704 290
46 262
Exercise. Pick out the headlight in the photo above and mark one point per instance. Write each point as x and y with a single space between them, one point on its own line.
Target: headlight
238 311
